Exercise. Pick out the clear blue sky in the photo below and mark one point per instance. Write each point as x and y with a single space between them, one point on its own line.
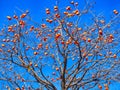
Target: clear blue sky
37 7
37 10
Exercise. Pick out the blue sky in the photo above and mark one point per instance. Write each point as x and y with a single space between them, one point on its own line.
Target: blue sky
37 7
37 10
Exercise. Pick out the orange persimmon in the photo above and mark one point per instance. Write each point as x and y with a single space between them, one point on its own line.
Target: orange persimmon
23 15
106 87
99 86
68 8
57 68
110 53
45 39
15 17
55 8
114 56
100 32
84 54
40 45
30 63
3 45
102 21
62 42
9 18
93 76
35 53
10 28
89 40
76 12
57 15
111 36
47 11
22 23
66 13
43 25
31 28
48 20
57 36
17 88
115 12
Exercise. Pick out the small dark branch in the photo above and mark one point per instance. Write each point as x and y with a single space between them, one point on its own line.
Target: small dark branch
63 73
54 88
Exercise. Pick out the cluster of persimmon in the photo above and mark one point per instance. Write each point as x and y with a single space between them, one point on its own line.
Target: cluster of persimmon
74 3
75 12
110 38
105 86
57 36
100 87
10 29
49 20
69 41
21 22
67 13
43 26
31 28
115 12
16 17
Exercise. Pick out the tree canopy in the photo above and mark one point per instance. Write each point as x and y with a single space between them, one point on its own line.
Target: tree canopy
70 49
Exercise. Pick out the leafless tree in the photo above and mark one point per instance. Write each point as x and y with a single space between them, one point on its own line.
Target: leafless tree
72 49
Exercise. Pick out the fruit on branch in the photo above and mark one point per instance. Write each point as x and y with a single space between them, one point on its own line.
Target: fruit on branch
23 15
40 45
100 32
115 12
57 68
15 17
55 8
76 12
35 53
43 26
47 11
68 8
100 87
9 18
31 28
89 40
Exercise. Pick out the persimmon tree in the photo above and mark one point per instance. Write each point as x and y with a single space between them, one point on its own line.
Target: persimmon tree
63 52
